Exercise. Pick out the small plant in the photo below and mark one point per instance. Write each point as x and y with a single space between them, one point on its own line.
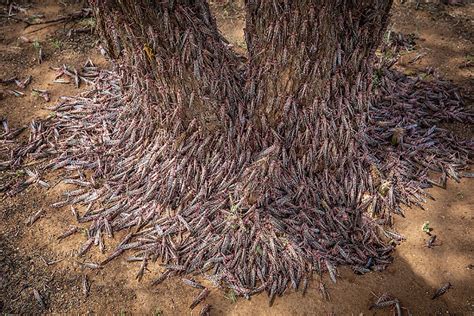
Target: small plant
158 312
33 19
426 227
377 77
233 207
387 37
85 232
36 45
242 44
424 75
231 296
87 22
469 62
20 172
388 55
56 43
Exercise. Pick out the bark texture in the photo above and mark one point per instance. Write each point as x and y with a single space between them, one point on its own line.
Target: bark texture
309 88
173 55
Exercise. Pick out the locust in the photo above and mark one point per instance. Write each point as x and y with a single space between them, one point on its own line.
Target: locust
204 293
442 290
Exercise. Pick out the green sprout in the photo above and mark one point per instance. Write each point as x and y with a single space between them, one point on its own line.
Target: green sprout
426 227
56 43
87 22
377 77
36 45
33 19
231 296
20 172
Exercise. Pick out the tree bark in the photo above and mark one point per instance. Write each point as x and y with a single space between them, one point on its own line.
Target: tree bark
173 53
308 91
311 52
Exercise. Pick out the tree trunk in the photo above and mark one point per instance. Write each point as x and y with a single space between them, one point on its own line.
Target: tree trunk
174 55
257 169
251 162
308 90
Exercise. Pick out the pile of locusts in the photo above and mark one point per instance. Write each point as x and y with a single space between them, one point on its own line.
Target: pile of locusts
177 192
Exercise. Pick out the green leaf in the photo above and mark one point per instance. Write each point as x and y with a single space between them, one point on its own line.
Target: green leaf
426 227
231 296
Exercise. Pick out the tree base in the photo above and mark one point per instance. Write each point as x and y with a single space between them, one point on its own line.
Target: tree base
201 202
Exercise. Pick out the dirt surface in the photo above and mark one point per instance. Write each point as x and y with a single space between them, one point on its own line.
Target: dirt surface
28 252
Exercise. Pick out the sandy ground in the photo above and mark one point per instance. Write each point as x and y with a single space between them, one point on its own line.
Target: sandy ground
445 43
